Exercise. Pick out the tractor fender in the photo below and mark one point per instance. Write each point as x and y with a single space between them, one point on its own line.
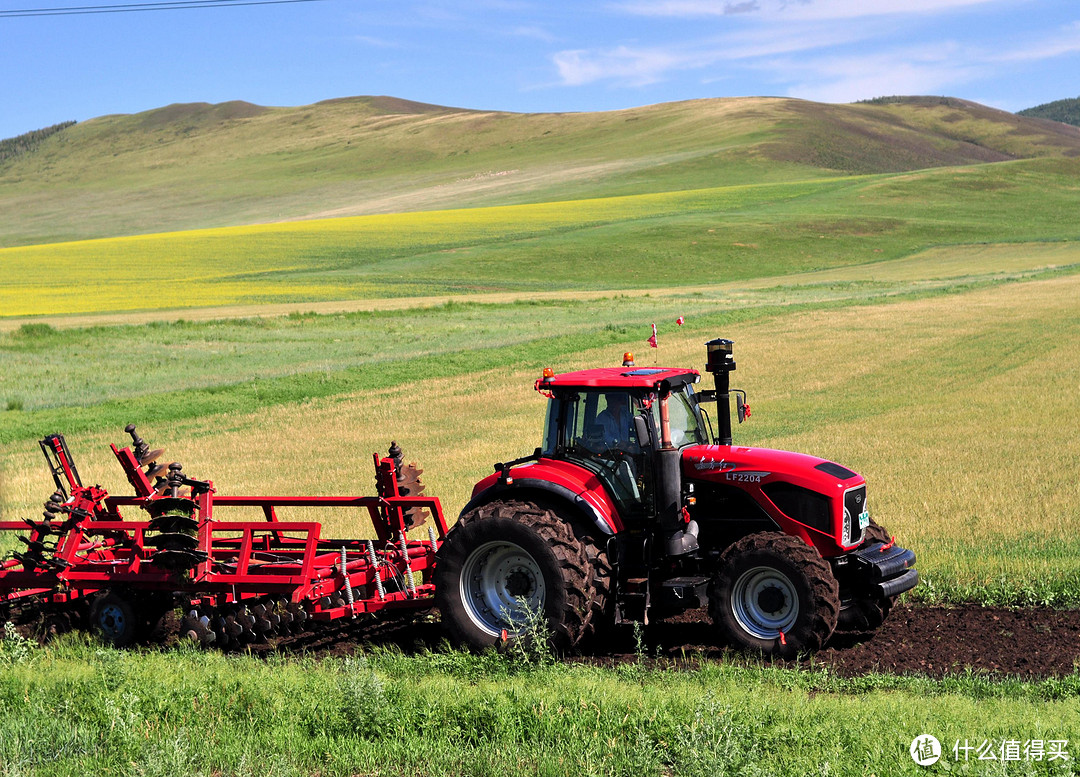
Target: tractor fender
606 522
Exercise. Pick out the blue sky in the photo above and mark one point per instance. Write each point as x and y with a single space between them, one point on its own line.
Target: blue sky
532 55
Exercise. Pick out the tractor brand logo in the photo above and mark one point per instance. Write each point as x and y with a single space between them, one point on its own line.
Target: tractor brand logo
728 468
858 499
710 465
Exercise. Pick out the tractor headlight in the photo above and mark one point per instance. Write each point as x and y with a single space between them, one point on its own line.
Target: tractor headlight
845 532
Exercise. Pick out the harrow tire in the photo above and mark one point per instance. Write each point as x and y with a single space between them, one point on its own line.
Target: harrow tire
506 550
774 594
114 619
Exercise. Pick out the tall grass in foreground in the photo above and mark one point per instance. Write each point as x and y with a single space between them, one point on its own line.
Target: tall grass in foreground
77 708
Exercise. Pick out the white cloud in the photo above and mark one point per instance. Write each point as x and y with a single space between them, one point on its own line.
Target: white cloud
817 49
378 43
934 68
534 32
624 64
638 66
1067 41
794 9
925 70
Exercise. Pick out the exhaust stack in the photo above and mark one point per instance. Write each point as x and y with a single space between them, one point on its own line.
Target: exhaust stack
721 362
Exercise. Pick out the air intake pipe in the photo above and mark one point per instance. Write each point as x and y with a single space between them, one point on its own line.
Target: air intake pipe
721 362
680 534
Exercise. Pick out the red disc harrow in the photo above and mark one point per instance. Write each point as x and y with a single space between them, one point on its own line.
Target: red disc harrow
132 558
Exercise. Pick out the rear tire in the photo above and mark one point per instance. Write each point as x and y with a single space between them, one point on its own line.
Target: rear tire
774 594
503 553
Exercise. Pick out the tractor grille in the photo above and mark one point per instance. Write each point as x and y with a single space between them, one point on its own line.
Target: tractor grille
802 504
854 506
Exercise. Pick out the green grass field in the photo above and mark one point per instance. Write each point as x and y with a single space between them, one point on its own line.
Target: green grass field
921 327
78 708
637 242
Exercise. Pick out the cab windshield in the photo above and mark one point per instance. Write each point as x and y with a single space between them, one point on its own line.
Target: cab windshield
597 422
686 423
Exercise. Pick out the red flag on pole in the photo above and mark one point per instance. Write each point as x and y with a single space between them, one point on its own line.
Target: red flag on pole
652 340
680 321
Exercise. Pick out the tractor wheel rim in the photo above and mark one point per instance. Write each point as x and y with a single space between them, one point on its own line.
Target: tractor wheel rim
111 620
765 602
501 587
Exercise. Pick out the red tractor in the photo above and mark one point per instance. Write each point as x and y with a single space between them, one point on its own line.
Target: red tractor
633 510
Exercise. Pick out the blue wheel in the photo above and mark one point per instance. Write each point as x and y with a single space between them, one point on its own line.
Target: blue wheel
113 619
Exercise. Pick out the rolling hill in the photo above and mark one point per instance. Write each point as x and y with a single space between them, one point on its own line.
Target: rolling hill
199 165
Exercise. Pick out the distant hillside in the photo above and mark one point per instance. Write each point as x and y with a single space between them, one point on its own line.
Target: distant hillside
201 165
28 141
1066 111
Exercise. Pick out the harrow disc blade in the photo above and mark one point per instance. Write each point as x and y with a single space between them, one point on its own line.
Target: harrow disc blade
177 505
232 628
299 617
173 541
177 560
245 618
35 547
173 523
29 562
150 456
409 484
197 629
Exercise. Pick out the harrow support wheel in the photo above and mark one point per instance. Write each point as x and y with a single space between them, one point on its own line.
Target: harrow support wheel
774 594
115 619
506 563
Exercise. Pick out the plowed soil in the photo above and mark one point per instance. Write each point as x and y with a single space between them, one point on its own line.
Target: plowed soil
935 642
930 641
1029 643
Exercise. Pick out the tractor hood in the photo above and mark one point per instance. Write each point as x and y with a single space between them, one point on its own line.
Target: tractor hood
784 485
740 465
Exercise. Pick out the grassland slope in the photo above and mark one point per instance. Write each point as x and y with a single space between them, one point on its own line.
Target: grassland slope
200 165
684 238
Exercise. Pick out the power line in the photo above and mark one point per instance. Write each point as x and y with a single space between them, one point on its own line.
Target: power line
174 5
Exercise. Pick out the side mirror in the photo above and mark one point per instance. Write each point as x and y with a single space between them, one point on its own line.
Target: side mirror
740 405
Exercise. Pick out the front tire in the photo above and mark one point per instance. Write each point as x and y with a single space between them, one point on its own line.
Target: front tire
505 563
774 594
861 617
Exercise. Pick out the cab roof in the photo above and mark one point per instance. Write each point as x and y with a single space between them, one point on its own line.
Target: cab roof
621 378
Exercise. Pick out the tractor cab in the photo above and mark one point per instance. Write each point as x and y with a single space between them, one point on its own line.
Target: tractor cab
627 426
